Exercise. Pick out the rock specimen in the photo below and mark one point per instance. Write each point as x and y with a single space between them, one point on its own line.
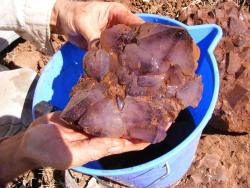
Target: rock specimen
137 80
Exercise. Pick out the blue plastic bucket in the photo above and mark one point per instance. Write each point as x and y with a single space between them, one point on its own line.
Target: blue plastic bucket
64 70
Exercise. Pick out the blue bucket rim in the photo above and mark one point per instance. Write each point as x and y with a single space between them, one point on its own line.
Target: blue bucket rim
186 141
198 130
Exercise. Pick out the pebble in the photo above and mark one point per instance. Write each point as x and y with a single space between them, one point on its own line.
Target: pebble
209 161
26 59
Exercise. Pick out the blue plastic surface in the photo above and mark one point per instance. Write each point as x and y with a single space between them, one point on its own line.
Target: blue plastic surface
65 68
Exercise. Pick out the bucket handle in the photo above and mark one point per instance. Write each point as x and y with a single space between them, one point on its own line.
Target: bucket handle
167 168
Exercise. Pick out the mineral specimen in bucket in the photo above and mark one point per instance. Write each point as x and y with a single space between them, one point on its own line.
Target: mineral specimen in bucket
138 78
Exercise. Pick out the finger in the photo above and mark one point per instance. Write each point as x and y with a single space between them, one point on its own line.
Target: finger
119 14
41 120
67 131
96 148
78 41
72 132
134 146
54 118
75 136
89 25
92 34
51 118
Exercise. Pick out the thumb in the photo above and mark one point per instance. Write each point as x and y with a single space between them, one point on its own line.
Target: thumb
119 14
92 19
103 15
88 30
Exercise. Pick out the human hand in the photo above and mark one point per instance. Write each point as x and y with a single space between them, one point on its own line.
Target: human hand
86 20
50 142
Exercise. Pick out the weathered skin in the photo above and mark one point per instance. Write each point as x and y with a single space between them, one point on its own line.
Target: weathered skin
137 81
